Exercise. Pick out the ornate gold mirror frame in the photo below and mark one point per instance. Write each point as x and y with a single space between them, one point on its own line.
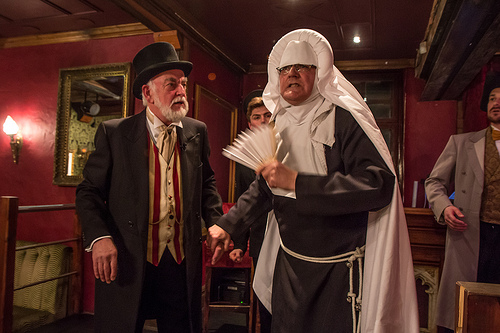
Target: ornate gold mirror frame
87 96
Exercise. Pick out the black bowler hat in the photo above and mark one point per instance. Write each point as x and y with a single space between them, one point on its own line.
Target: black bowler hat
249 97
491 82
153 60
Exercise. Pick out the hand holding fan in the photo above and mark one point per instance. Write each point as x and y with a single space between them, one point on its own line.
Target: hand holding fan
252 148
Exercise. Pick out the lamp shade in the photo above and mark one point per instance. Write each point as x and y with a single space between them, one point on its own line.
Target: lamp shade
91 108
10 127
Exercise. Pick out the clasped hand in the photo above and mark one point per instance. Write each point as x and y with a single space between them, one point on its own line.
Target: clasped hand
218 240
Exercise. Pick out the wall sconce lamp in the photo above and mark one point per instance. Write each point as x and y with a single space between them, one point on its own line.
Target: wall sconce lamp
16 140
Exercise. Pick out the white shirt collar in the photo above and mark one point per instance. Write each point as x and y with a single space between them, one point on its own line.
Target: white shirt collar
154 124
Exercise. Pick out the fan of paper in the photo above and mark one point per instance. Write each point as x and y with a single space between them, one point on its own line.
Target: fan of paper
252 148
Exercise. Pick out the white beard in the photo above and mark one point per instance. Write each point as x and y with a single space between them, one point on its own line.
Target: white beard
168 113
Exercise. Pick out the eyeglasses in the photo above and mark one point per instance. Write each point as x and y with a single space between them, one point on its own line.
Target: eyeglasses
298 67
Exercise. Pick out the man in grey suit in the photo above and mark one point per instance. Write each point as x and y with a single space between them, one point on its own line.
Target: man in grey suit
471 162
146 189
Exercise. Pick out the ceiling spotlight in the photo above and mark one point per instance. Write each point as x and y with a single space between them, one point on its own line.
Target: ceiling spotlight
356 39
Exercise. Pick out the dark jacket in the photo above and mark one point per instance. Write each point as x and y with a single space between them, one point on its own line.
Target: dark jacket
113 199
243 178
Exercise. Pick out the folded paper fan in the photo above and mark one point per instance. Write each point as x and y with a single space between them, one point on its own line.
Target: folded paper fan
252 148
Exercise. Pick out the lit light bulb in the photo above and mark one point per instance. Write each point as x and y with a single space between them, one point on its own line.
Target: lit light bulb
10 127
356 39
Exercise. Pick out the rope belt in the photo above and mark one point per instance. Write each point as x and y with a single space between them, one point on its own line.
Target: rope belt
349 258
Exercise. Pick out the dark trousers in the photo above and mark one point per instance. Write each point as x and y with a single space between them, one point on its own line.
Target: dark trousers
164 296
489 254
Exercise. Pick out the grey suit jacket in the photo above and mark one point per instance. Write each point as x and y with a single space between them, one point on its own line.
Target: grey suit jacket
461 163
113 199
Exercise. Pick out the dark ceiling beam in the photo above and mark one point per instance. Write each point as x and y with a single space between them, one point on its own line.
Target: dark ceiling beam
155 14
437 29
144 16
486 48
462 36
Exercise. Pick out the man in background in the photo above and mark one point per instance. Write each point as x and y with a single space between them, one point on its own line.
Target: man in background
257 115
471 163
338 222
146 189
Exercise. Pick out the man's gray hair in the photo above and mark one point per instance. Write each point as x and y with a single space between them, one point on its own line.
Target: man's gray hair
151 86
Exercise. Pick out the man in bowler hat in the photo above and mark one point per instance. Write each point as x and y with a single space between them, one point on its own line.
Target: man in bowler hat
146 189
470 161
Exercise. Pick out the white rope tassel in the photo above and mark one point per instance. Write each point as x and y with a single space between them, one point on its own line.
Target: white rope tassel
349 258
359 253
358 299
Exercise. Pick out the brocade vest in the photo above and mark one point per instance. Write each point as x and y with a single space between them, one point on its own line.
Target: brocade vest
490 204
165 229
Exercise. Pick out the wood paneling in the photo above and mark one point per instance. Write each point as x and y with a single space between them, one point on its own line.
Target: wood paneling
427 241
427 237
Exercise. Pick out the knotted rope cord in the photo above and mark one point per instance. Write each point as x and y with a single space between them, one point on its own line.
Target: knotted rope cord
349 258
359 253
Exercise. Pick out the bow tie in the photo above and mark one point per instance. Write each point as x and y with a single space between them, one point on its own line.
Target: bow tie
496 135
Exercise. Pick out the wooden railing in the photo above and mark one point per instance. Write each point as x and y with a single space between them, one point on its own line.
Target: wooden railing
9 210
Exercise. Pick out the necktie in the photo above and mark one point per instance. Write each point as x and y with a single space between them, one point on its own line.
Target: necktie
496 135
166 142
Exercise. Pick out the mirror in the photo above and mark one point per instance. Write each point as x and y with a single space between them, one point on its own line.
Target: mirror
87 96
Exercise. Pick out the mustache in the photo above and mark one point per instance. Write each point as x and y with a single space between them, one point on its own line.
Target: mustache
293 80
179 99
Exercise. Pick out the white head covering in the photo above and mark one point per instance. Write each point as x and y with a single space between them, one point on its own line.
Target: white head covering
298 52
330 82
389 291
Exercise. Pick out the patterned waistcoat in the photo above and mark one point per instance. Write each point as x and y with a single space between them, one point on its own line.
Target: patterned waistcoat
490 206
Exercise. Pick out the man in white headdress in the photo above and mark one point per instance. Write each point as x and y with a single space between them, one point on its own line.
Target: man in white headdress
340 249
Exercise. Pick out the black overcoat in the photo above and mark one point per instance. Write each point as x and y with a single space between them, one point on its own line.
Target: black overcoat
113 199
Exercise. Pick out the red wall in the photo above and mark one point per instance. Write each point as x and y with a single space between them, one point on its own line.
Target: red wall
251 82
474 118
222 82
28 93
428 125
215 77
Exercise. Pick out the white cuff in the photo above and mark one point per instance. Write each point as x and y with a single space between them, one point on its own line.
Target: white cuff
89 249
